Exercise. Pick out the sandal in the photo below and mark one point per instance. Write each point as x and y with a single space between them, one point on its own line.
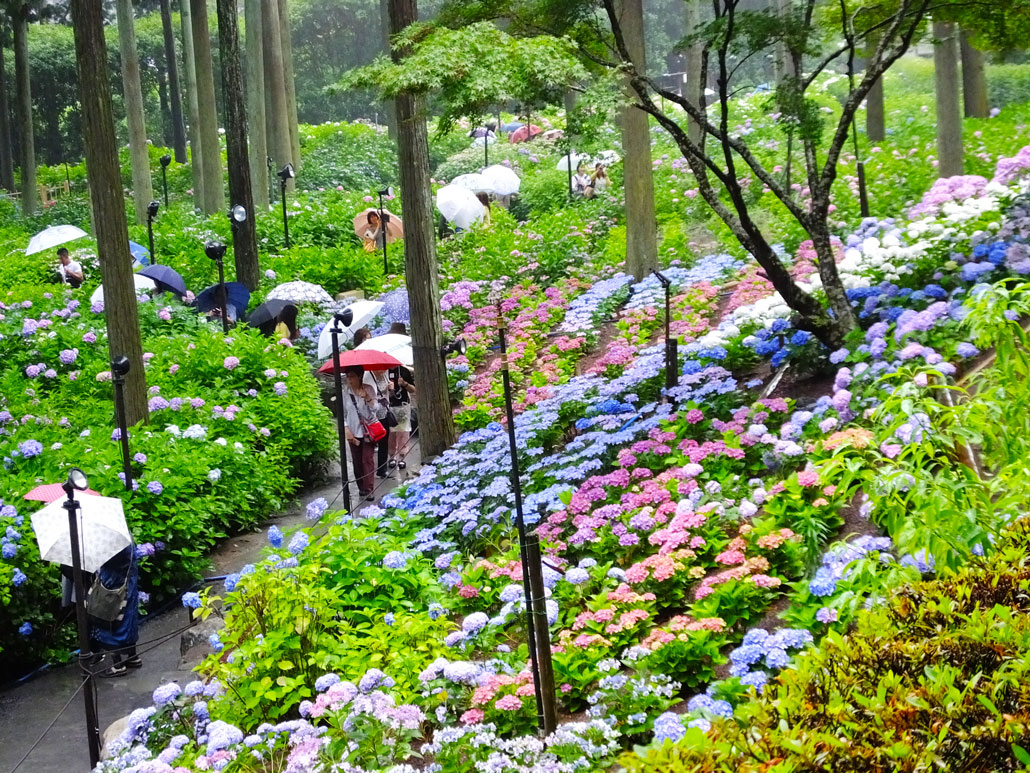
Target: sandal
393 463
117 669
402 465
134 662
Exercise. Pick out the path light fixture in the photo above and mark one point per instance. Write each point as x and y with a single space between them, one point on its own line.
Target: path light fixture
237 217
341 321
286 174
165 161
532 567
216 251
152 208
384 219
457 346
671 344
120 367
77 481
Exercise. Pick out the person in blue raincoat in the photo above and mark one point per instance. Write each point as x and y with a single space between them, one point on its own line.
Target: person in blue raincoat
118 637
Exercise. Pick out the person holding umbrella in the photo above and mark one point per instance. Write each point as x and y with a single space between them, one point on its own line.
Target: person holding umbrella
361 412
70 270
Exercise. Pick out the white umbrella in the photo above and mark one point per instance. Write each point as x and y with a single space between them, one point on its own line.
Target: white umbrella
476 183
606 157
300 292
393 343
143 284
502 180
459 206
363 311
577 159
103 532
54 236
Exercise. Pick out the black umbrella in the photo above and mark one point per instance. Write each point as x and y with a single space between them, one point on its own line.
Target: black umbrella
167 279
237 295
266 316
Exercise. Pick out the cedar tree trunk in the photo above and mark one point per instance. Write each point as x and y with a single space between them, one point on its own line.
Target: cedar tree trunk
142 186
949 113
286 41
256 105
974 79
277 121
210 149
192 103
6 145
174 90
111 228
23 89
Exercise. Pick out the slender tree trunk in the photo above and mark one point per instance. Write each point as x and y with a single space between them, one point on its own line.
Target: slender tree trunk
6 145
875 115
286 41
142 186
641 225
166 117
389 107
23 86
174 91
436 427
108 201
192 103
974 79
210 149
53 151
256 105
277 119
692 64
949 113
245 236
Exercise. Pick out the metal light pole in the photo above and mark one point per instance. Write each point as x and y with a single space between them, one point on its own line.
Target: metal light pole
285 174
343 318
165 161
152 208
671 344
77 482
120 366
216 251
571 192
532 571
384 219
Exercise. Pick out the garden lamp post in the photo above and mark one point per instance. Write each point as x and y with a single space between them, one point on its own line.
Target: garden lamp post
285 175
216 251
271 177
77 482
340 321
384 219
237 217
165 161
152 208
532 568
120 366
458 346
671 344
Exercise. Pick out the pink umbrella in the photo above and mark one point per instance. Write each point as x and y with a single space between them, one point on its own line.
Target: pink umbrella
523 133
50 492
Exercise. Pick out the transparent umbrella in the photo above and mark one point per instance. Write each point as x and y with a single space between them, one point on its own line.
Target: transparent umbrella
143 284
393 343
300 292
459 206
502 180
363 311
476 183
54 236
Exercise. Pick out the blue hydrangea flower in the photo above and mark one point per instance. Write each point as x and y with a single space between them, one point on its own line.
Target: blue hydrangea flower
191 600
298 543
275 536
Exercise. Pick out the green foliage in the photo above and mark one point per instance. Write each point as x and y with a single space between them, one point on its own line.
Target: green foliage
951 656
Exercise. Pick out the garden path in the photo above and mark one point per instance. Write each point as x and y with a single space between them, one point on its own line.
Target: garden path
29 707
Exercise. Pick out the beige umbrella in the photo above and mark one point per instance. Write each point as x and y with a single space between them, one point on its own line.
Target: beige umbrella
103 532
394 227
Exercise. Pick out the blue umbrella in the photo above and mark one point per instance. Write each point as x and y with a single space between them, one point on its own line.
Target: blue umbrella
511 126
238 296
166 278
140 253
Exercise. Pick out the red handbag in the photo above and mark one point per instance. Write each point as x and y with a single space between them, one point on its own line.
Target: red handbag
374 430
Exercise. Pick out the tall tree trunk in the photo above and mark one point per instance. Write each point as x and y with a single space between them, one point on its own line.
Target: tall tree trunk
142 185
692 65
6 145
949 113
436 427
974 79
256 104
277 121
641 225
174 91
192 103
389 107
108 201
52 146
166 117
286 41
210 150
23 87
875 115
245 236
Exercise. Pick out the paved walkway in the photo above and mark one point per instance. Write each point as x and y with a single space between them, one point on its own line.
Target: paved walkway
27 709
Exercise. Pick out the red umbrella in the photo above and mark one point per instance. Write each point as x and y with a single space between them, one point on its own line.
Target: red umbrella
523 133
369 359
51 492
